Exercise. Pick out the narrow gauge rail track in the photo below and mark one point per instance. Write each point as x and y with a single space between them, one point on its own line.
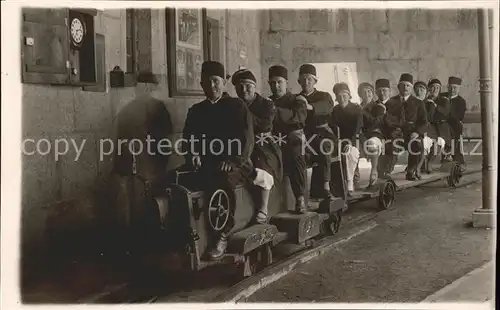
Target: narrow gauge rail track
223 284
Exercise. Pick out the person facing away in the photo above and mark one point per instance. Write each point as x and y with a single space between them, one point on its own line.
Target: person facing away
266 155
414 126
223 119
320 106
457 114
373 113
291 114
348 118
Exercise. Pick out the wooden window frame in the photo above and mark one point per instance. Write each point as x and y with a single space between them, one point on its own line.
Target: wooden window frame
170 19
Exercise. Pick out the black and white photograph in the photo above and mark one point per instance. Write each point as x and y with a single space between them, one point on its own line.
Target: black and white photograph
252 154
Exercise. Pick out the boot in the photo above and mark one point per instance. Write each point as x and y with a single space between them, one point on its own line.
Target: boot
220 248
300 205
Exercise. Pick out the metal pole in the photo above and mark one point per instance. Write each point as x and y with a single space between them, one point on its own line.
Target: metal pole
485 90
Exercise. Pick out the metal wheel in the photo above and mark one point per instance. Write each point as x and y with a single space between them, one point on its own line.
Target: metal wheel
455 176
387 195
218 210
331 226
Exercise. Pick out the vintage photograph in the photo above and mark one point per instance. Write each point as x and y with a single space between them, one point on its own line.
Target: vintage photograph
286 154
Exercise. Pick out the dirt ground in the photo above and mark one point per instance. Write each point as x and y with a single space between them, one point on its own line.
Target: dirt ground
415 250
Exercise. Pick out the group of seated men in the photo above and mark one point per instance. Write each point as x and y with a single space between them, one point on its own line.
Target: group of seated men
309 122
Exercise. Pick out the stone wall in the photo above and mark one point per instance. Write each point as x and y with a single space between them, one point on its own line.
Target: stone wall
382 43
59 196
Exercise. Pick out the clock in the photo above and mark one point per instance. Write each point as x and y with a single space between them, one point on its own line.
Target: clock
77 31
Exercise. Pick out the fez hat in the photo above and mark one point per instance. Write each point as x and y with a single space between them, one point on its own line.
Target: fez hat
453 80
308 69
406 77
243 75
339 87
382 83
434 81
420 83
364 85
209 68
278 71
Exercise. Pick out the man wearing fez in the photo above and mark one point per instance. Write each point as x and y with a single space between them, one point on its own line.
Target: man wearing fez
223 119
266 155
291 114
319 106
348 117
457 113
414 126
431 137
390 126
438 113
373 113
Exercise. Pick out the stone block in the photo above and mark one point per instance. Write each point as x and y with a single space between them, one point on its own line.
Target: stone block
342 22
483 218
443 19
290 20
467 19
319 20
78 169
392 70
387 46
92 111
39 183
417 20
397 21
113 13
366 20
47 109
458 43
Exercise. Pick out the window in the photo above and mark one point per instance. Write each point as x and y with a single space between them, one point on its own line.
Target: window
191 39
58 46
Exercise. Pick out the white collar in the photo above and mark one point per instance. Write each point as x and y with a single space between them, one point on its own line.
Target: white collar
405 98
453 97
214 101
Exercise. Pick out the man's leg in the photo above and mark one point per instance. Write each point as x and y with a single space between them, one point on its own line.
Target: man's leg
352 159
264 182
373 151
295 166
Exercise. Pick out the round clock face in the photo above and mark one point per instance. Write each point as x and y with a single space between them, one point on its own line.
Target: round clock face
77 30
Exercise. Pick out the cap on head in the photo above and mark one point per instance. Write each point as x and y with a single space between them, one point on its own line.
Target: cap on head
406 77
381 83
341 87
243 75
363 86
453 80
212 68
279 71
420 84
434 81
308 69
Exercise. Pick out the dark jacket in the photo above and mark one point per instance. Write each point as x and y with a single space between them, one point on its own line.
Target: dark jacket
458 107
438 114
226 120
349 120
291 113
373 116
393 119
266 154
322 104
415 116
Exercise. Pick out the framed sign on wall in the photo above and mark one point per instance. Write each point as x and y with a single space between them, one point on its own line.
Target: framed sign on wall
187 48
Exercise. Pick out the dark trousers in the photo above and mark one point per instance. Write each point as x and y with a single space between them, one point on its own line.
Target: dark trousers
324 151
414 146
457 152
294 164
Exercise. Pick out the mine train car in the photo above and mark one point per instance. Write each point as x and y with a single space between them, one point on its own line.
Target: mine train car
177 215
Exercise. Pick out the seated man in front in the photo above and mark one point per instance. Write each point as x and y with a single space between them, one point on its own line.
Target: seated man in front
348 117
266 155
291 114
220 134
